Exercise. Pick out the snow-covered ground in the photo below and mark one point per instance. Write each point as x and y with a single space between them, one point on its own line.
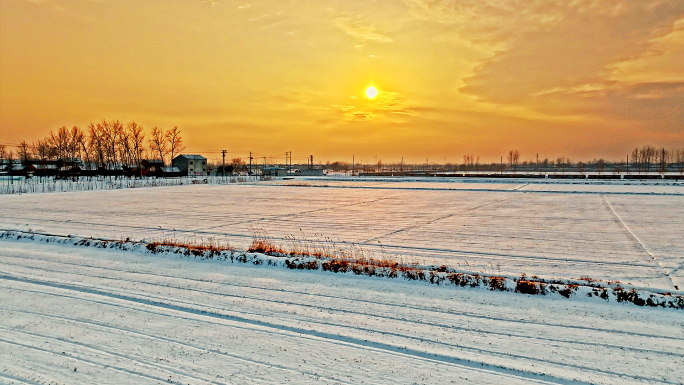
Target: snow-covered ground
81 315
610 231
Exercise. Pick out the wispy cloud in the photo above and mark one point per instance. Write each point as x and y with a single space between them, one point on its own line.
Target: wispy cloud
360 32
352 114
384 104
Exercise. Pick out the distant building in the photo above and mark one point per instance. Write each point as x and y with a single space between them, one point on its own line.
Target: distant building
190 165
274 171
307 172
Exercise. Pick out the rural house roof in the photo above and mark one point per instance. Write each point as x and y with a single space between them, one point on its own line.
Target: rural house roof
194 157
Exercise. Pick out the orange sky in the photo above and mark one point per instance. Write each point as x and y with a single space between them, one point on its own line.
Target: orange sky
582 78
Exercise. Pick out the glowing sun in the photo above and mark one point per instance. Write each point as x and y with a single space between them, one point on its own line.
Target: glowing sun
371 92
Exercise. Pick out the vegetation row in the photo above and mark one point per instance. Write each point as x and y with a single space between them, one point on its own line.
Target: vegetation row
358 262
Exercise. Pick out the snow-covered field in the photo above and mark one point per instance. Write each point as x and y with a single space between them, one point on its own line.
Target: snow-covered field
610 231
85 315
73 315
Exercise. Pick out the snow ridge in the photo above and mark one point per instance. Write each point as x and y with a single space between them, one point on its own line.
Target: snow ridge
584 289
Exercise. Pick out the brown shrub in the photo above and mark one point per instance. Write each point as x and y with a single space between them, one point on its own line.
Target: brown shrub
497 283
529 287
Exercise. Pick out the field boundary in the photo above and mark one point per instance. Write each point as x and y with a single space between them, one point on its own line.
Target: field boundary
584 287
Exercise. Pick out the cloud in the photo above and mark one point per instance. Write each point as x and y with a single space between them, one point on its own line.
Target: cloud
297 99
663 61
571 47
360 32
384 103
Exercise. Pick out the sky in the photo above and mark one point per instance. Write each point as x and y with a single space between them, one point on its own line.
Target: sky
577 78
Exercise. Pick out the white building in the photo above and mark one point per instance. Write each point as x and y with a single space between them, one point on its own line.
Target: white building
191 165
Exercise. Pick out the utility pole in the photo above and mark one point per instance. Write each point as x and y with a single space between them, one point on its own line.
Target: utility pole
250 162
627 163
223 152
288 165
311 158
501 164
353 165
402 164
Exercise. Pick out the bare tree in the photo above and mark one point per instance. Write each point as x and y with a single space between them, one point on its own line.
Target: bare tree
175 142
635 159
663 158
513 158
96 143
84 148
238 164
24 151
679 158
158 144
111 131
10 164
76 138
647 156
42 150
124 148
3 156
600 165
580 167
136 138
59 142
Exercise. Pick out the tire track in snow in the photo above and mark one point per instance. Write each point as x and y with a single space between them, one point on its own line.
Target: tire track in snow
375 303
216 351
333 338
371 315
430 221
275 217
162 368
640 245
84 360
17 379
240 316
167 368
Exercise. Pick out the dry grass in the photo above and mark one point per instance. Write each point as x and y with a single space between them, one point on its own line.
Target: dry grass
203 248
360 262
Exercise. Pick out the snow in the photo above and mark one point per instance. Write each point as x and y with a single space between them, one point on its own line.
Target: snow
607 231
84 315
80 315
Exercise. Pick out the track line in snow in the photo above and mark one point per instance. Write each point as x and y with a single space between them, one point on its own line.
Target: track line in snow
137 362
331 338
351 311
17 379
289 215
167 368
439 218
640 245
240 317
486 190
204 349
81 359
375 303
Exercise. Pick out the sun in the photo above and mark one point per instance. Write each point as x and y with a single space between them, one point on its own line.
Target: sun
371 92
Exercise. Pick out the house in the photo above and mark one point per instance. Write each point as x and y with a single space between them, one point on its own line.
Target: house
274 171
191 165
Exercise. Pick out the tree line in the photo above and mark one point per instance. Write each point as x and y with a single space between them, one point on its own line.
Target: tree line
645 159
102 143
